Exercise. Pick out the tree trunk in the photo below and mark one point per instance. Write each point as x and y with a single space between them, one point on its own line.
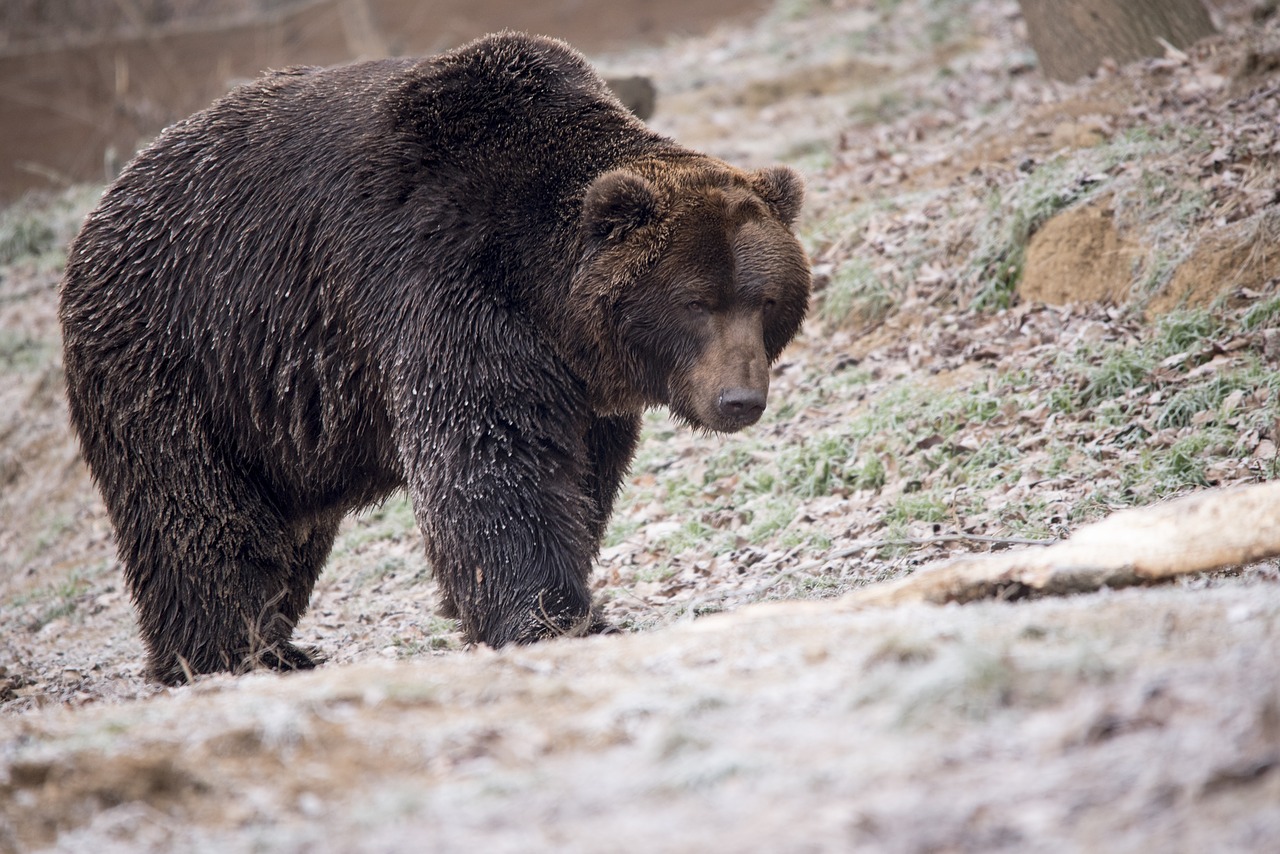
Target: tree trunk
1071 37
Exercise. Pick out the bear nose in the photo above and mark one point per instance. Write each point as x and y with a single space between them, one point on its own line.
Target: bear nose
742 404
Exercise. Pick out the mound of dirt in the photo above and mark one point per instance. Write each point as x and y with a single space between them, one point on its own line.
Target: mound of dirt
1078 256
1242 255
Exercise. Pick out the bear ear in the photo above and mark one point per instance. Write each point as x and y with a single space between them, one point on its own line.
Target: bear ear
618 203
782 190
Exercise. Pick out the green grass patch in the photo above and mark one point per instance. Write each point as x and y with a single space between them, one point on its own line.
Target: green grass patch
19 351
1136 420
1013 214
1131 394
1180 331
1118 372
771 516
36 230
909 431
438 634
26 234
390 521
855 295
656 572
1264 314
57 600
930 507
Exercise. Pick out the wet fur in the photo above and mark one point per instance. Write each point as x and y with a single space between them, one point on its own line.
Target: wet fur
458 276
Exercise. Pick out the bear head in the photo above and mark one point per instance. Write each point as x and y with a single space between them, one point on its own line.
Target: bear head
690 285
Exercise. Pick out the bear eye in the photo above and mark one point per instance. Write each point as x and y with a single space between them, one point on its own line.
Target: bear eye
697 307
769 304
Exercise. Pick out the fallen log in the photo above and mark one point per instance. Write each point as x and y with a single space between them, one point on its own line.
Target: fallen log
1210 530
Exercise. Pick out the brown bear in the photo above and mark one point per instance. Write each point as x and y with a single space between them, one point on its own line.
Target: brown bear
466 276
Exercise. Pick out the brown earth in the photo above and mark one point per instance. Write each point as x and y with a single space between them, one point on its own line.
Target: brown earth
1079 257
1134 720
1241 255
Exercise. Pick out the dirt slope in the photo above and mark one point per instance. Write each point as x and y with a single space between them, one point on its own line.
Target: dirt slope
965 384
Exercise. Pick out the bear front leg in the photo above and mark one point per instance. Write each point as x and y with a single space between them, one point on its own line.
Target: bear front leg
506 523
611 445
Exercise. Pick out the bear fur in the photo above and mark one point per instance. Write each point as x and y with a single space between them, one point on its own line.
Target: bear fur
466 276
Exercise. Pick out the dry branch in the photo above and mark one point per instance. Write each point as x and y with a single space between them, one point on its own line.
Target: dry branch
1210 530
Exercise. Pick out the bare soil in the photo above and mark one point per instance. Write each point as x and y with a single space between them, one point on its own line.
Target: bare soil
1078 256
1244 255
747 706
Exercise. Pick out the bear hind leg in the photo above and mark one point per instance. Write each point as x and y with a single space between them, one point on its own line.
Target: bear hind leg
223 593
313 540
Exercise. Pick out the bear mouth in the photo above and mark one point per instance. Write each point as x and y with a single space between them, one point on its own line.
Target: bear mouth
732 425
715 416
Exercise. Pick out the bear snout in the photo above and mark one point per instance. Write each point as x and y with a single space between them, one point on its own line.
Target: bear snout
741 406
726 387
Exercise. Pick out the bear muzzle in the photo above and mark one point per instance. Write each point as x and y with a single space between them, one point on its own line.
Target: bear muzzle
727 387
